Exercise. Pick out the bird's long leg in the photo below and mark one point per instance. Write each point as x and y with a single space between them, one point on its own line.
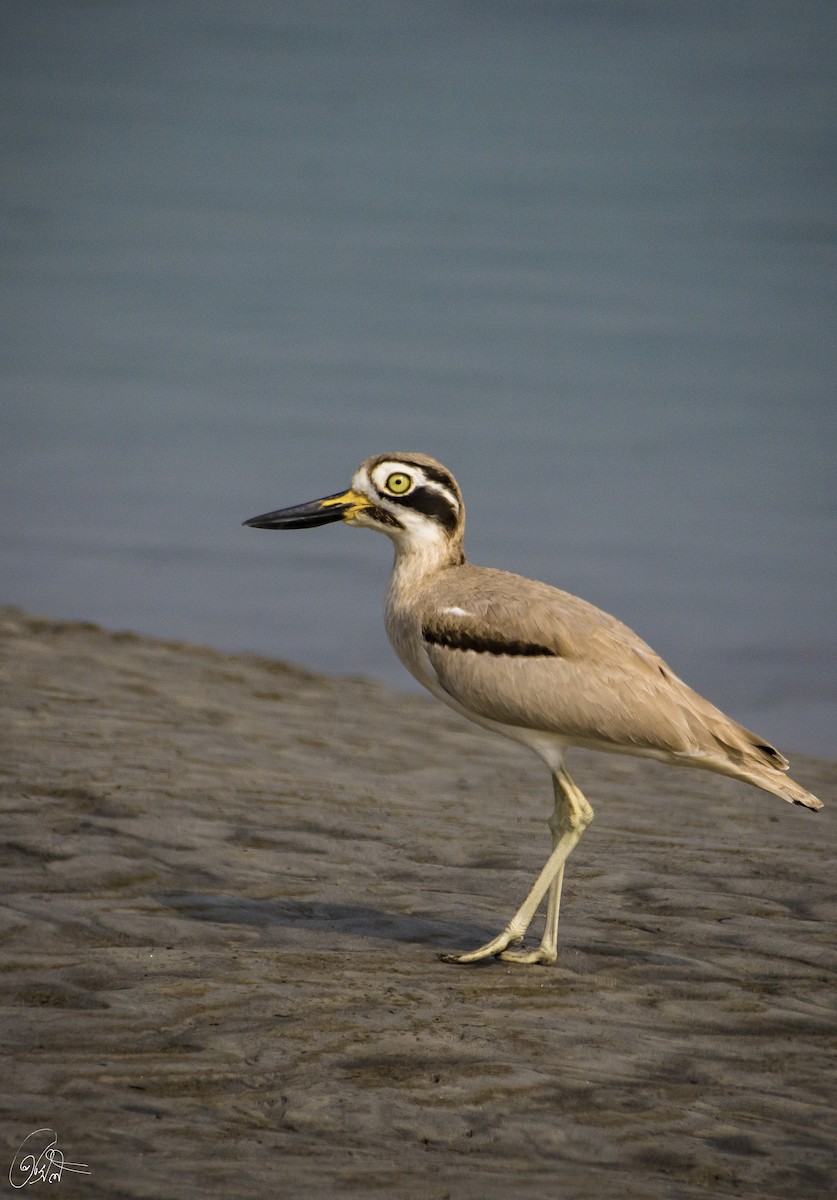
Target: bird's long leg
571 810
570 818
547 952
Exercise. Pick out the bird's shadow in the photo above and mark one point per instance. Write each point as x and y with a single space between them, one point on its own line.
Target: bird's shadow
304 916
307 920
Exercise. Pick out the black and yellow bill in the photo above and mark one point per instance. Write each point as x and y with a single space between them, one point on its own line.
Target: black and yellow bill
340 507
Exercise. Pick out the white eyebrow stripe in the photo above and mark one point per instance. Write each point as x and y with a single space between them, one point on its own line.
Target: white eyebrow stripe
456 611
384 469
433 485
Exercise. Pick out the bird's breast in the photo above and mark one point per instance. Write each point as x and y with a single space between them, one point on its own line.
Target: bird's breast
404 632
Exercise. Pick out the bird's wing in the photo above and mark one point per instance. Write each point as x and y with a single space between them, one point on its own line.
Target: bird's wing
495 612
525 654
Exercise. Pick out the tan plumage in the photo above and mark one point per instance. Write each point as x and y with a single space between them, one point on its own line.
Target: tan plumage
602 687
534 663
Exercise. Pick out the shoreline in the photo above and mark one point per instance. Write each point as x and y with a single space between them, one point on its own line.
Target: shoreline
227 883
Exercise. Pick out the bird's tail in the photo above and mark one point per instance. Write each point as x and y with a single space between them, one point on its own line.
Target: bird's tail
769 779
768 771
784 787
744 755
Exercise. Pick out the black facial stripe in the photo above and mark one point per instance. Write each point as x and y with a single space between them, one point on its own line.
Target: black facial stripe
456 639
383 517
432 504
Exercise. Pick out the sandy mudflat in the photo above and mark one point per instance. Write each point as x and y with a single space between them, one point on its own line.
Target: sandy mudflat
225 883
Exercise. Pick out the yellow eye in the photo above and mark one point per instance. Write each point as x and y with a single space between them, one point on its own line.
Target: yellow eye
398 483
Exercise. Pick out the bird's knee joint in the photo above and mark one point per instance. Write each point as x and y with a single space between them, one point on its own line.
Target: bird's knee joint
575 821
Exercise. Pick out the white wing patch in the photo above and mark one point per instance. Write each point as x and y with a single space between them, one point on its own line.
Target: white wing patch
456 611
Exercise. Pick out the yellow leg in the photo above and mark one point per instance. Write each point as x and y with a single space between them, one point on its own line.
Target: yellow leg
571 816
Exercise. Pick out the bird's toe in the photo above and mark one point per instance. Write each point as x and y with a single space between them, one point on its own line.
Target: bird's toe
540 955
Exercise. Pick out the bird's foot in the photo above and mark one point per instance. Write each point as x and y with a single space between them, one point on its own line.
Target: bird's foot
541 954
492 949
499 948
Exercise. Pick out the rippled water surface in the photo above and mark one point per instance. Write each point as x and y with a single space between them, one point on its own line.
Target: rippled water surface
581 252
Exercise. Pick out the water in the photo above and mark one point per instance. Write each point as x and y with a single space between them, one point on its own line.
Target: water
581 252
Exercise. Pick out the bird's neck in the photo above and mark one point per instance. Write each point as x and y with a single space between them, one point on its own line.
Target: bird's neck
418 562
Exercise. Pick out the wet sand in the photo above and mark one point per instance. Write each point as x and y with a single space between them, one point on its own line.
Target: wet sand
226 882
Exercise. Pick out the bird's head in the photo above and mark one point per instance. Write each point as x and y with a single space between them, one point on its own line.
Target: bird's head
411 498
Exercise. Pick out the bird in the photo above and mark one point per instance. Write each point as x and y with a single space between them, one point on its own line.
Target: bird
530 661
